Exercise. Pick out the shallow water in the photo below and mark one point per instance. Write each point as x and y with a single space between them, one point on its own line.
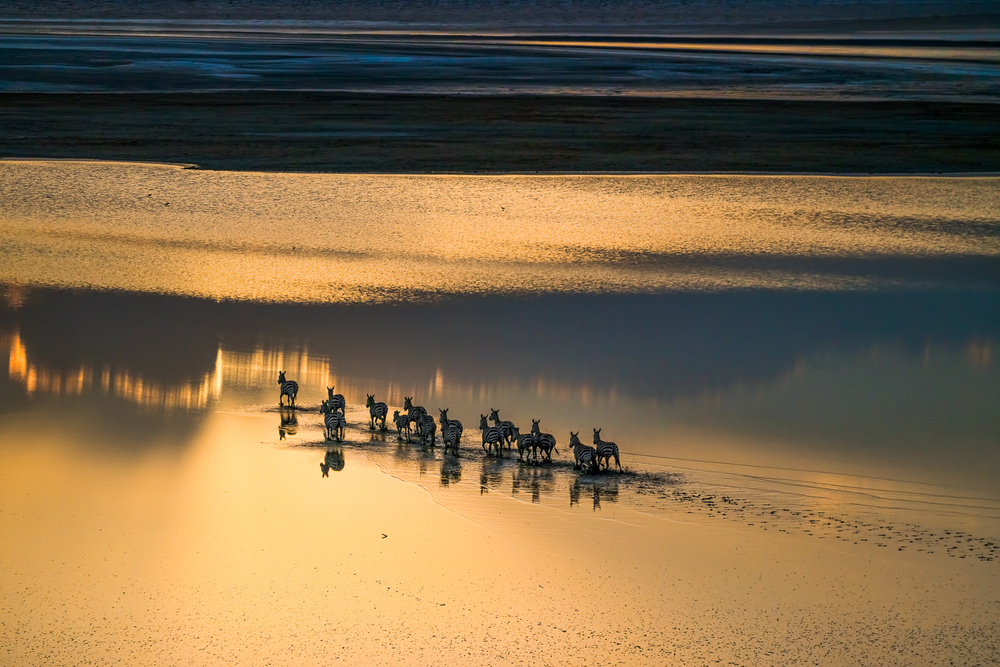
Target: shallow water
805 409
124 56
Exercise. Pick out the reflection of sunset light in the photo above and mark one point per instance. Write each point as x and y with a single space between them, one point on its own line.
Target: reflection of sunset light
18 367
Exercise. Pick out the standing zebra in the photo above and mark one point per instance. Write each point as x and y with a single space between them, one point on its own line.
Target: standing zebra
584 456
289 388
544 442
336 401
426 428
506 427
377 410
450 435
491 435
402 423
413 412
333 420
445 423
605 450
525 443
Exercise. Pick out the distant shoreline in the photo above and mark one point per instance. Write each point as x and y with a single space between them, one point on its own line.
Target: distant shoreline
543 174
518 134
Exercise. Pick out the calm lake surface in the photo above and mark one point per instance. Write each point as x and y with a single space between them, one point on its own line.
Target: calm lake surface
801 374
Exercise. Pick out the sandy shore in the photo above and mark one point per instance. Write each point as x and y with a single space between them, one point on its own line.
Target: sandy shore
339 132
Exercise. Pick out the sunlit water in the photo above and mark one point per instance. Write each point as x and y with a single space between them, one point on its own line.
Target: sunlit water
801 374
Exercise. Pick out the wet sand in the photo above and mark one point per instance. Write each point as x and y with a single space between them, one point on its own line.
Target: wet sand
351 133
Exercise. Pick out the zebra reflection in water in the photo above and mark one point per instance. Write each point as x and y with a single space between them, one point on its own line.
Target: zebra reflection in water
451 471
534 479
289 422
603 488
334 461
490 474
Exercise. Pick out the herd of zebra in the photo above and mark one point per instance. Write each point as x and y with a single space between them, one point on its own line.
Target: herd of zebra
495 436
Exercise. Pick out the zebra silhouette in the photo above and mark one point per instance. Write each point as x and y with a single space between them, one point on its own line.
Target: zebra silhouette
525 443
333 420
336 401
413 412
506 427
289 388
426 428
584 456
402 423
605 450
544 442
376 411
446 423
450 436
491 436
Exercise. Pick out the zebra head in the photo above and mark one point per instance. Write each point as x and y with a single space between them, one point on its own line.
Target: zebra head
597 436
407 402
494 416
371 400
482 422
324 407
329 392
395 415
574 439
281 377
444 415
534 426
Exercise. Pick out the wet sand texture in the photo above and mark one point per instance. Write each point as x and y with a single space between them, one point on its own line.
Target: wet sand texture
336 132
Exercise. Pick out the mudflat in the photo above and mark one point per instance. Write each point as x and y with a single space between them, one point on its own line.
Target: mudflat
424 133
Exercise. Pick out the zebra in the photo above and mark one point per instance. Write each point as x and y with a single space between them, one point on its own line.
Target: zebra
584 456
336 401
491 435
450 435
289 388
426 428
402 423
333 420
445 423
525 443
377 410
506 427
413 412
605 450
546 442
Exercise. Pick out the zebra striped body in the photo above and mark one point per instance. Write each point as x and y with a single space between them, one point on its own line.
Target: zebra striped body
336 401
334 422
450 435
525 443
605 450
289 388
491 435
426 428
402 423
544 442
413 412
445 423
376 411
506 427
584 456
